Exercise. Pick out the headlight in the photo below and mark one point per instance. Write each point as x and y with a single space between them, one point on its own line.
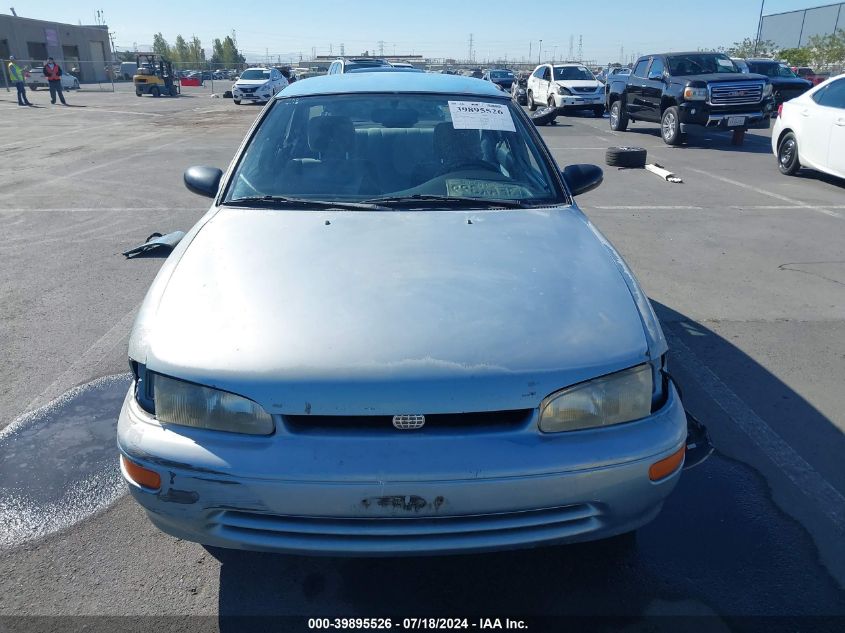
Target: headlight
187 404
621 397
521 91
767 90
695 94
561 90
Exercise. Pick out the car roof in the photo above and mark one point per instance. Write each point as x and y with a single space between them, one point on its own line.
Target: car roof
351 83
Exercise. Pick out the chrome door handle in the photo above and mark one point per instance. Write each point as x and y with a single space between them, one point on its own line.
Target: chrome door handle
805 113
840 122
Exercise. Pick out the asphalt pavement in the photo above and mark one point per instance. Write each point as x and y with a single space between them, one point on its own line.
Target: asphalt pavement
745 267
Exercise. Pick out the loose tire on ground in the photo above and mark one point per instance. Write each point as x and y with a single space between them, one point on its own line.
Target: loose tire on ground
618 117
629 157
788 162
545 116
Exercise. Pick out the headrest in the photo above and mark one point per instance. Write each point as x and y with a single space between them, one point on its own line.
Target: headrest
451 144
334 134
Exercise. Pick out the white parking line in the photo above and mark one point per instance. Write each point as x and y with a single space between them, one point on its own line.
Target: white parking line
827 498
777 196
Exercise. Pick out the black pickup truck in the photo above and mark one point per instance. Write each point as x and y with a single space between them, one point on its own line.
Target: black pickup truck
677 90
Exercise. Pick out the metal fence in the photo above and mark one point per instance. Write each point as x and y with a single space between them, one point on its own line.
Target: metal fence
72 78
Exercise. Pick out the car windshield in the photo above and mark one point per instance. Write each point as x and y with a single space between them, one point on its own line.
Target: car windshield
365 64
700 64
573 73
256 74
501 74
373 146
771 70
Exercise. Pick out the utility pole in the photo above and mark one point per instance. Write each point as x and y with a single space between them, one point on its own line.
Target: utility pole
571 48
330 50
580 47
470 47
554 52
381 48
529 51
540 53
622 54
759 27
342 50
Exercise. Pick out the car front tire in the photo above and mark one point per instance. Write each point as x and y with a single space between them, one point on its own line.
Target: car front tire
788 162
531 105
618 117
236 101
670 126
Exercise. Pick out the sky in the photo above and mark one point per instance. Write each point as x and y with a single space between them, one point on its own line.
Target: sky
610 30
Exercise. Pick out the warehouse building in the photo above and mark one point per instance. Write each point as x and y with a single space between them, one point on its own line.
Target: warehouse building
33 41
794 29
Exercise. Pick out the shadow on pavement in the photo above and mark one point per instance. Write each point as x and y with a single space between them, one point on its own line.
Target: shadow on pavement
720 546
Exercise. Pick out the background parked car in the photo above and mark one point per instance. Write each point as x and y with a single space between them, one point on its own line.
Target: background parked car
343 65
810 130
805 72
258 85
566 86
501 77
35 79
518 89
786 84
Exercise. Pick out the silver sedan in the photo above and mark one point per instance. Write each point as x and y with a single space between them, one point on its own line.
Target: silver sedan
395 332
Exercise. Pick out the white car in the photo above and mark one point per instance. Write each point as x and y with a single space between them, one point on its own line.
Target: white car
810 130
258 84
35 79
565 86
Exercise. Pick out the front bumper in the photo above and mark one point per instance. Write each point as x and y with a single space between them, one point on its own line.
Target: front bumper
753 117
579 100
401 493
261 96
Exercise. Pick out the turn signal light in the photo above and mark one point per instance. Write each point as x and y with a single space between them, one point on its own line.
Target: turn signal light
144 477
780 109
667 466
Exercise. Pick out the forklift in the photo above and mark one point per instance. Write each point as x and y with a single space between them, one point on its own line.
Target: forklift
154 76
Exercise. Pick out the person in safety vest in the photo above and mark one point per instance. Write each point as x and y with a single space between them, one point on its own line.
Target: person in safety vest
17 78
53 74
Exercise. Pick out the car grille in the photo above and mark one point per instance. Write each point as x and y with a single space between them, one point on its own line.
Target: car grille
247 90
444 422
736 93
424 531
587 89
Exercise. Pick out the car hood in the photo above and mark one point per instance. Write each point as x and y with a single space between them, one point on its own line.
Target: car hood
790 82
578 83
251 82
720 77
391 312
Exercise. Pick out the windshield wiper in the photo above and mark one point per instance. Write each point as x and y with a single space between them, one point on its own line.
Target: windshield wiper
449 201
301 203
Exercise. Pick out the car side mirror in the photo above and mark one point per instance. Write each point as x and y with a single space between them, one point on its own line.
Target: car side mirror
582 178
655 76
202 180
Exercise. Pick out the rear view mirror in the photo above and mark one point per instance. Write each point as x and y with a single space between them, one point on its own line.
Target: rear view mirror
582 178
202 180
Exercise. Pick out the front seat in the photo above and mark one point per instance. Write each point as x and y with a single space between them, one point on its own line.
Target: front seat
336 169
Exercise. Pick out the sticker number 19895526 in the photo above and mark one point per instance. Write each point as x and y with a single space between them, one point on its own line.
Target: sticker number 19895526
474 115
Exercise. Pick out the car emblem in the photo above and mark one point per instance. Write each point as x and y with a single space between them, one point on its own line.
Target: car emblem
408 422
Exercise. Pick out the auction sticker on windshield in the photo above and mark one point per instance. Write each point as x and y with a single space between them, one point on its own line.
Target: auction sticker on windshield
472 115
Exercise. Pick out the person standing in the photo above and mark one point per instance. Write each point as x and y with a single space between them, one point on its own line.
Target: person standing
53 73
17 78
